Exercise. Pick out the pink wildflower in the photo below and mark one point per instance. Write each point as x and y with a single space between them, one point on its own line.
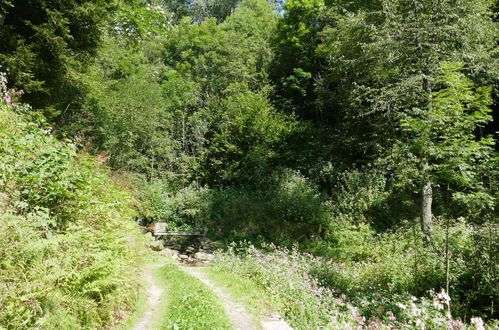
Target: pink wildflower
455 324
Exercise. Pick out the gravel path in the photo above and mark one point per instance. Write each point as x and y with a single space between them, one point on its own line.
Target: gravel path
153 293
241 319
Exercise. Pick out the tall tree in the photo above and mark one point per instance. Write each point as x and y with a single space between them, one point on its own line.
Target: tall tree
439 143
42 42
385 61
296 65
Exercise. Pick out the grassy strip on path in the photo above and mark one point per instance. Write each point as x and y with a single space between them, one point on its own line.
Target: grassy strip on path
187 303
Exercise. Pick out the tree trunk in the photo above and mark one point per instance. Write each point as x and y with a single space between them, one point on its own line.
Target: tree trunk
426 214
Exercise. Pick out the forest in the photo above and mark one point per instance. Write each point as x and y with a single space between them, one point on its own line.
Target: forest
343 151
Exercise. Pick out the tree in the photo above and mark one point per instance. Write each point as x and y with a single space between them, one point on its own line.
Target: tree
440 141
204 63
384 62
296 65
383 55
42 43
244 143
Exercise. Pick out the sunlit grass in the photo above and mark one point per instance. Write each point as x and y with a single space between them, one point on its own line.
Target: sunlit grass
188 303
242 290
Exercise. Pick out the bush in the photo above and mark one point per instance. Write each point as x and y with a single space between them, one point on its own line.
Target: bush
396 262
182 209
288 208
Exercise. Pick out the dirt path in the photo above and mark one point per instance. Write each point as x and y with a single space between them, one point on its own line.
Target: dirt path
241 319
153 293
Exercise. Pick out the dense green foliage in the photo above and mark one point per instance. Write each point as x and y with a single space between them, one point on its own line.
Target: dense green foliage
43 42
342 125
69 254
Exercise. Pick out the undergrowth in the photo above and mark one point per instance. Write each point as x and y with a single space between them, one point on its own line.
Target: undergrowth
315 292
69 252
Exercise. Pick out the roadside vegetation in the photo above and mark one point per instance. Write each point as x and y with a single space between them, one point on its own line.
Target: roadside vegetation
388 287
70 255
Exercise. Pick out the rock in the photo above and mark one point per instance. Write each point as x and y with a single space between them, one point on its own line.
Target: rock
171 242
203 256
217 245
173 246
168 252
183 256
156 245
149 236
211 245
190 249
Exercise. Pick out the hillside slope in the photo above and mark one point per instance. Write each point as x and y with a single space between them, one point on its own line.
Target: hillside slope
69 253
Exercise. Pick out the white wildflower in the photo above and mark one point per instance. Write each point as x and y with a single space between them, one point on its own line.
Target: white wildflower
444 297
478 323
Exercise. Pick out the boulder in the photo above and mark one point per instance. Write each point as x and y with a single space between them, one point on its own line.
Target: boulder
156 245
183 256
171 242
169 252
203 256
217 245
160 227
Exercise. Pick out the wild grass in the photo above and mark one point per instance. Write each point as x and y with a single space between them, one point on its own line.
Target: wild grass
190 304
243 291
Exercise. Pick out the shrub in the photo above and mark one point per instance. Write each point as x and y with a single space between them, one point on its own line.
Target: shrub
287 207
396 263
182 209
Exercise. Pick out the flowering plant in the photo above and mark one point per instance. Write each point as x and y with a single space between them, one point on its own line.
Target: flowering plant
9 97
289 279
